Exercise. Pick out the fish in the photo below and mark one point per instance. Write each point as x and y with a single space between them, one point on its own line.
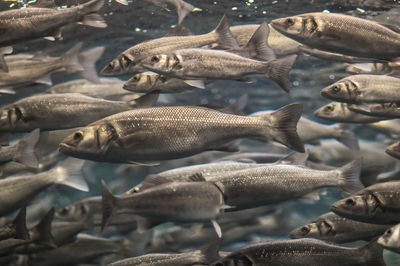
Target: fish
19 25
384 68
204 256
23 151
161 133
152 82
394 150
129 61
182 8
84 250
340 112
334 228
210 64
390 239
276 183
388 110
377 204
388 127
30 69
311 132
107 89
17 191
279 43
196 201
364 89
343 34
47 110
303 252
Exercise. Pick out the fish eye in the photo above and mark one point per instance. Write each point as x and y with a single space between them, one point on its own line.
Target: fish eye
329 108
78 136
290 22
155 59
111 65
335 88
305 230
388 232
136 77
350 202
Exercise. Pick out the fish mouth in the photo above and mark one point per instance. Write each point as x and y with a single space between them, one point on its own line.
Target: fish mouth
277 24
335 208
64 148
392 153
324 93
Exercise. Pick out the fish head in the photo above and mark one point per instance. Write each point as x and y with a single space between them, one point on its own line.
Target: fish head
391 237
297 27
304 231
164 63
74 212
10 117
142 82
364 205
233 260
394 150
123 64
328 111
91 142
343 91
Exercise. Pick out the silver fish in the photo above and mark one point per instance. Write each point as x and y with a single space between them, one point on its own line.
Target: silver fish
129 61
388 110
340 112
196 63
390 239
74 109
277 183
334 228
30 23
25 70
378 204
343 34
18 190
364 89
303 252
164 133
375 68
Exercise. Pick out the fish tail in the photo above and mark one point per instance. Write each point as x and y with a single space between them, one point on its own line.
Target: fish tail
225 36
90 17
258 46
183 9
278 71
283 126
349 176
69 173
26 149
109 203
88 61
44 230
347 137
71 60
373 254
19 224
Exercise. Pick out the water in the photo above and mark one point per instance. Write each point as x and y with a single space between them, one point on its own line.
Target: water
141 21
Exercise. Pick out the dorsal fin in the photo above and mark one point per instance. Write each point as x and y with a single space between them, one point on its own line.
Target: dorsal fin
258 46
153 181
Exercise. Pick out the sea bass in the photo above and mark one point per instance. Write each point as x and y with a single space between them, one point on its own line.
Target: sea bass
164 133
343 34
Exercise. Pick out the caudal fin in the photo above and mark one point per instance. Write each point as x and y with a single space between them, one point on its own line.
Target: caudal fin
69 173
43 229
283 126
347 137
88 61
349 177
183 9
258 45
225 36
278 70
91 18
373 254
26 153
109 203
19 224
71 59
